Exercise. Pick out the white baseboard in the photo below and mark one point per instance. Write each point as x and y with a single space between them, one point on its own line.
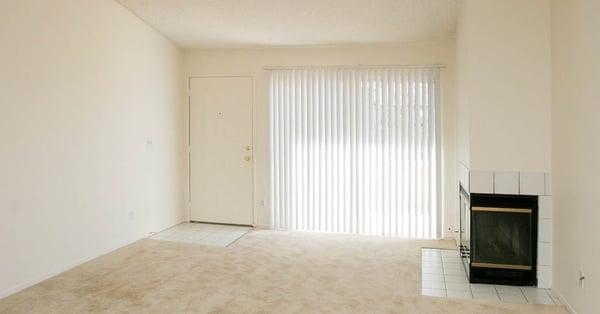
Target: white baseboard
56 271
262 227
62 269
564 301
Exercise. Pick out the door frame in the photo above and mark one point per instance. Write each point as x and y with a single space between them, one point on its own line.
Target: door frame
188 134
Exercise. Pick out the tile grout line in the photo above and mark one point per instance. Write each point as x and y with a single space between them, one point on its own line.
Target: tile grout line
526 298
443 274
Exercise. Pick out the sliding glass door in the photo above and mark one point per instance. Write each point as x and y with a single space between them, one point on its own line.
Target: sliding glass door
355 150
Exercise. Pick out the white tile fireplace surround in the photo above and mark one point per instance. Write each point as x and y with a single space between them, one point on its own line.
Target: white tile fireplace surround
520 183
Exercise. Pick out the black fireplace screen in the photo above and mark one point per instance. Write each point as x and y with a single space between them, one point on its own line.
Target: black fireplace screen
503 242
503 237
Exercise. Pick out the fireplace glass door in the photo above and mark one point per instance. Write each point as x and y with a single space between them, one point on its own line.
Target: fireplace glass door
503 238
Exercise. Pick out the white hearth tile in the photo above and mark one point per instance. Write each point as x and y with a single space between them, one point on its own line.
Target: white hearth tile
458 286
534 291
513 298
452 259
548 184
432 255
508 289
485 296
544 254
427 269
540 300
434 292
454 271
506 182
432 277
482 288
456 278
544 274
482 182
431 252
545 230
459 294
449 253
545 207
532 183
449 265
428 264
431 270
431 258
432 284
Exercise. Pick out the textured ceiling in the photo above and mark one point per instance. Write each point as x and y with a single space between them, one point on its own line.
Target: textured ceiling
256 23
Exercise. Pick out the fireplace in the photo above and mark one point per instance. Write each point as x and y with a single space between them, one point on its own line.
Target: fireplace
501 245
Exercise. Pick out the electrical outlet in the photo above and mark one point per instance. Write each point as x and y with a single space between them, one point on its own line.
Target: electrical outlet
131 215
261 203
581 278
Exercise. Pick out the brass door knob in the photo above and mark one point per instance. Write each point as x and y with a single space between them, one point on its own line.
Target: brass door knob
247 158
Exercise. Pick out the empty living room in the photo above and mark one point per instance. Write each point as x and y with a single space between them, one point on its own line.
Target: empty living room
285 156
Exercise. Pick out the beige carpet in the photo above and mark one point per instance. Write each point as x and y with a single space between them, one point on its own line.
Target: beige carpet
265 271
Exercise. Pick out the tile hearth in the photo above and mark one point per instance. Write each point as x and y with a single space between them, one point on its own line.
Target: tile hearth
443 275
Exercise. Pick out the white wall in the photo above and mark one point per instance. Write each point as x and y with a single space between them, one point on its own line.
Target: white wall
503 84
83 85
464 38
576 150
252 61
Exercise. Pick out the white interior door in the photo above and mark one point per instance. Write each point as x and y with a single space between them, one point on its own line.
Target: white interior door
221 149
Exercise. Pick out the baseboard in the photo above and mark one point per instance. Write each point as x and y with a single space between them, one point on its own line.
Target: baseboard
262 227
564 301
62 269
57 271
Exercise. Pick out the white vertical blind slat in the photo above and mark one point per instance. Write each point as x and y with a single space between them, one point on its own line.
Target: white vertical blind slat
355 151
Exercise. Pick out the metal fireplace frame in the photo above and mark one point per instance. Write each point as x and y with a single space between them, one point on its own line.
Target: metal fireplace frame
507 274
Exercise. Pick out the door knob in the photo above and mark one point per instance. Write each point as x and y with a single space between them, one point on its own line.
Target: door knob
247 158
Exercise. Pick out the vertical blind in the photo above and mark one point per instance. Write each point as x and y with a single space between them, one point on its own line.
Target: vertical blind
355 150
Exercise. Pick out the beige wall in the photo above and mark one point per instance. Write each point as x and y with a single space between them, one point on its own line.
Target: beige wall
252 61
503 84
464 37
576 150
83 86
